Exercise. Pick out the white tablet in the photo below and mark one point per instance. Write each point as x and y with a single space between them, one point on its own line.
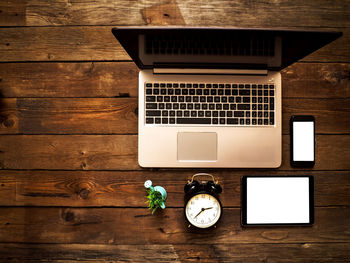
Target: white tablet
277 200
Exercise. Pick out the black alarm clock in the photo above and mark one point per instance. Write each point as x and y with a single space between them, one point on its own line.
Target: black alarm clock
203 208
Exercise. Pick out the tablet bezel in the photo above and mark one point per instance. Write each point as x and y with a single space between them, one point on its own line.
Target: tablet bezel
244 201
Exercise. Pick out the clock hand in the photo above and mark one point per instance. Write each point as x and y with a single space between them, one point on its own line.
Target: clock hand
200 212
208 208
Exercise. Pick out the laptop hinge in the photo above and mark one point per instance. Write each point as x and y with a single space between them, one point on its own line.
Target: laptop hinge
210 71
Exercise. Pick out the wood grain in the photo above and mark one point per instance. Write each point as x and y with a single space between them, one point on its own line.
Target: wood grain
292 253
111 79
139 226
79 43
125 189
119 115
119 152
219 12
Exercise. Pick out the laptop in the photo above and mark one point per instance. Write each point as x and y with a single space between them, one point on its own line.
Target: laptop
211 97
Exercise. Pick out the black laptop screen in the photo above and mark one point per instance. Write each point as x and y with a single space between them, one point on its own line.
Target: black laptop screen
153 47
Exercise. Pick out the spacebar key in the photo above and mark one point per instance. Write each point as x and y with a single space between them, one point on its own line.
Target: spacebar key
193 121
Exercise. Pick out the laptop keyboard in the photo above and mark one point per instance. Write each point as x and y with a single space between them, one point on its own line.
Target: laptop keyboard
224 104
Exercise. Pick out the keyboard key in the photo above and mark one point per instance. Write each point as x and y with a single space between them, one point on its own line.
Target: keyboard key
227 86
215 114
204 106
208 86
241 121
159 98
163 91
176 106
259 121
231 99
186 113
188 99
254 121
243 106
150 98
197 106
217 99
247 121
232 121
184 92
247 86
172 120
172 113
168 106
210 99
266 122
175 85
195 85
222 114
153 113
151 106
272 93
215 121
247 114
222 121
229 114
182 85
166 98
271 86
149 91
202 99
169 85
215 86
190 106
234 92
207 113
232 106
221 86
246 99
161 106
227 92
157 120
239 113
238 99
199 92
189 85
195 98
149 120
225 106
181 98
218 106
148 85
223 99
213 92
193 121
206 92
193 113
164 113
201 86
177 92
164 120
156 91
192 92
220 92
179 113
200 113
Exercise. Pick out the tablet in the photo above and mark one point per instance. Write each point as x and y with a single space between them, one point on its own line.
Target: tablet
277 200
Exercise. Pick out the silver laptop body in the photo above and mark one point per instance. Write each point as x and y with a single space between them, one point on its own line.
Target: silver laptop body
208 97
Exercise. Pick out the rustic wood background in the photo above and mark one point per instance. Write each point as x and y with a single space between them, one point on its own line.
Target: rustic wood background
70 185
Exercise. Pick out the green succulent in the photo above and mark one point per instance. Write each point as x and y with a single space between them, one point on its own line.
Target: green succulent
154 199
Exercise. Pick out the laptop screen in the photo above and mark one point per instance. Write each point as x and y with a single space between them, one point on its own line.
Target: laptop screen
217 47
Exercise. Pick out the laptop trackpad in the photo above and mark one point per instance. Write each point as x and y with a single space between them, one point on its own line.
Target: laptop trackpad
197 146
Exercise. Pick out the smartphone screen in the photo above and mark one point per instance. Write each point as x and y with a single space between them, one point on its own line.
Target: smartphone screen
303 141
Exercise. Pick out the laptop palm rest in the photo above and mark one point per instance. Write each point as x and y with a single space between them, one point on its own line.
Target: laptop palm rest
197 146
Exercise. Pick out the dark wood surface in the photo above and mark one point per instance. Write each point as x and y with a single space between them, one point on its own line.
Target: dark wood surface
70 185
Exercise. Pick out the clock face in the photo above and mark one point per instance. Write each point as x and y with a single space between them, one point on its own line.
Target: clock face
203 210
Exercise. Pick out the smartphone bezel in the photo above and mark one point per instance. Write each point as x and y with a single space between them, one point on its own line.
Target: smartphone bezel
300 118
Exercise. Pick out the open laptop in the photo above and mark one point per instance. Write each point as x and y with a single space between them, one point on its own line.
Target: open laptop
211 97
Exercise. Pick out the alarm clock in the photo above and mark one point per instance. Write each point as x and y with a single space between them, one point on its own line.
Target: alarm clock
203 208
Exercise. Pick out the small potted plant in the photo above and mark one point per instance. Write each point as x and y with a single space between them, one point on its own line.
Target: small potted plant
156 196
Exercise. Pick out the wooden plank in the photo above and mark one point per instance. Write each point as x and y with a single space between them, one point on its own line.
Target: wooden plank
294 253
59 44
77 43
218 12
119 115
110 79
119 152
125 189
90 79
73 152
139 226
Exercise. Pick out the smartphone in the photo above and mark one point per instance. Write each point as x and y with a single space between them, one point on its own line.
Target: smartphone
302 141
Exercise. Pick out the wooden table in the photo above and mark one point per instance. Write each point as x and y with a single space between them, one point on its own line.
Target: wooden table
70 185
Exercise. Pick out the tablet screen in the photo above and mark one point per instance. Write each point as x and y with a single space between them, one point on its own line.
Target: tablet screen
277 200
